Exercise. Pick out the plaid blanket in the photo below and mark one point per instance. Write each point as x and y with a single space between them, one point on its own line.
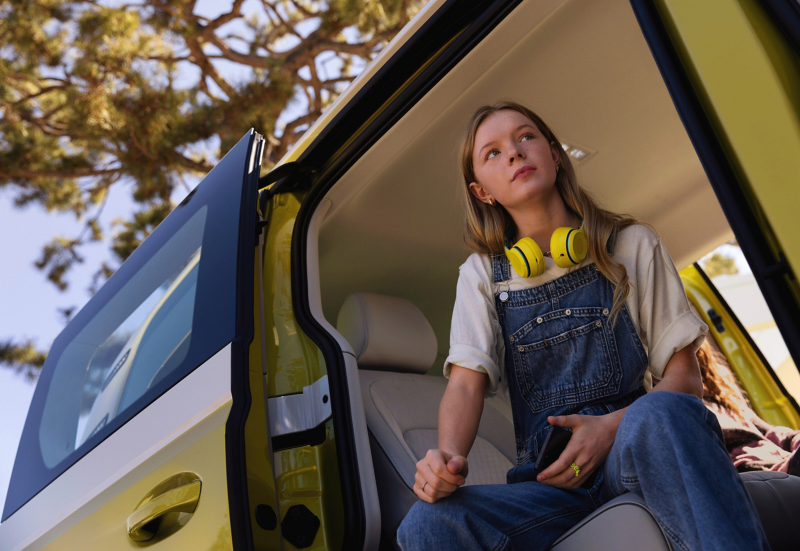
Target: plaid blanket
755 445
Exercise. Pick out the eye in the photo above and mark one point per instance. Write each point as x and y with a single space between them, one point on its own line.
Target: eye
492 153
526 137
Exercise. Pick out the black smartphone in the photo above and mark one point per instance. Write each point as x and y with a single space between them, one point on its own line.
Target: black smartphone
554 443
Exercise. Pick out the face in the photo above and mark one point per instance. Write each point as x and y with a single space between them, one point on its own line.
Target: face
513 162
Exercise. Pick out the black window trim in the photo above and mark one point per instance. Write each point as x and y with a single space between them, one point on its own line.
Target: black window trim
786 15
235 449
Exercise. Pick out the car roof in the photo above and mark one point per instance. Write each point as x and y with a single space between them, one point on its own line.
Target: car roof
363 77
395 223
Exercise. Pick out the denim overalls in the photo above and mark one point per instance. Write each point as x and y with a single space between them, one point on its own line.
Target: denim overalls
563 356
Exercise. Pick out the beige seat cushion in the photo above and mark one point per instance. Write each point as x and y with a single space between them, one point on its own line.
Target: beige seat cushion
402 416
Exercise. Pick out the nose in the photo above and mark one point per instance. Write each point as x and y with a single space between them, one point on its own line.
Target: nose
516 155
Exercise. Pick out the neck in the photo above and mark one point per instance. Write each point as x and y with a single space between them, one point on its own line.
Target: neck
538 220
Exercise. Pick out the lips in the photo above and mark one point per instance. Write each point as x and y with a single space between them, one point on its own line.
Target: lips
522 171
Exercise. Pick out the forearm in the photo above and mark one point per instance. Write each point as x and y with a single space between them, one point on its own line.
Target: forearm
459 415
682 374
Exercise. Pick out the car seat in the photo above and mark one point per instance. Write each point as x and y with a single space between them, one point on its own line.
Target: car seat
395 345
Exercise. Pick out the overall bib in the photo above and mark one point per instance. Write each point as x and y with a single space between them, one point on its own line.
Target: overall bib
564 356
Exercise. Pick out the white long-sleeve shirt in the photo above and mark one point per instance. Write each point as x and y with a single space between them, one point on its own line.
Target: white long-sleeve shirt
657 305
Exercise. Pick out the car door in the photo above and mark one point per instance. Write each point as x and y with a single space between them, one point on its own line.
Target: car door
732 70
135 435
769 397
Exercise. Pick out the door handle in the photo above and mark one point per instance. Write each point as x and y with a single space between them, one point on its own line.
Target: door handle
183 499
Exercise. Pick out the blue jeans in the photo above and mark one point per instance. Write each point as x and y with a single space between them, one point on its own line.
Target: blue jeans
668 449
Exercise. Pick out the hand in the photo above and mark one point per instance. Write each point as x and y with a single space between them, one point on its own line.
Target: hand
591 441
439 474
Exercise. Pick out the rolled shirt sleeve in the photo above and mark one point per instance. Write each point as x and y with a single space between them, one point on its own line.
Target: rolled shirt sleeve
665 318
476 340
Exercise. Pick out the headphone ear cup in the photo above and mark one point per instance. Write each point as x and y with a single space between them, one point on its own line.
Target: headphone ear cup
577 245
568 247
526 257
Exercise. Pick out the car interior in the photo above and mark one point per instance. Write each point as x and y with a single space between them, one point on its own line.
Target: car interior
390 231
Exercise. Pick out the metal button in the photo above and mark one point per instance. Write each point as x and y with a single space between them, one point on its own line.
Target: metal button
503 296
605 311
521 349
539 320
598 323
568 312
511 339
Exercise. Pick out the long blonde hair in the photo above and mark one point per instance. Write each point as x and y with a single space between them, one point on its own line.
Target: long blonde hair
487 226
719 383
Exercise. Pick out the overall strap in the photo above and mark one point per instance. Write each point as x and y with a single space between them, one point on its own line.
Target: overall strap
501 268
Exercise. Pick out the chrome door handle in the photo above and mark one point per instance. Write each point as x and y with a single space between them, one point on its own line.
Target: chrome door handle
182 499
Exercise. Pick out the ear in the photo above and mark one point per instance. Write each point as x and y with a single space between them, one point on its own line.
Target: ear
555 153
481 194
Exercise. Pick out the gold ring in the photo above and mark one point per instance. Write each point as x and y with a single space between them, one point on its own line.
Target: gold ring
576 468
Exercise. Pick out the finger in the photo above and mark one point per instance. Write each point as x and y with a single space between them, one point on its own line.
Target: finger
557 467
421 489
568 479
458 465
435 488
439 468
422 495
435 482
565 421
565 479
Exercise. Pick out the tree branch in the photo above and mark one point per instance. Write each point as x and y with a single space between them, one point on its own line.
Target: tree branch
66 175
42 91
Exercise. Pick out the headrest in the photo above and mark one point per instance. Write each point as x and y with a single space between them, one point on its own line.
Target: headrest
387 333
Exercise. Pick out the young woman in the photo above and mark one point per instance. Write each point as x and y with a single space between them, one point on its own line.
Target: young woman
574 346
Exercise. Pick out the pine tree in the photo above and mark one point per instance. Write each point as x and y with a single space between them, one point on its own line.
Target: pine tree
94 94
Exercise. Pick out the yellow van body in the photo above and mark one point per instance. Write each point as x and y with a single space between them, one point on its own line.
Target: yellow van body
198 425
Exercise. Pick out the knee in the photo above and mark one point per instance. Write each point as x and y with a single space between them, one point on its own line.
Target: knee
418 520
657 411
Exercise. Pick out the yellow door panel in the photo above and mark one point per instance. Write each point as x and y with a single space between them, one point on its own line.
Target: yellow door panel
765 395
88 506
306 475
748 81
208 528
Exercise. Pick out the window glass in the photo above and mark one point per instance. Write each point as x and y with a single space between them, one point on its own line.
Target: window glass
118 356
730 273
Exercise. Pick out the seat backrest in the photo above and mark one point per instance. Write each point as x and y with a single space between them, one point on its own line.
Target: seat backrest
395 345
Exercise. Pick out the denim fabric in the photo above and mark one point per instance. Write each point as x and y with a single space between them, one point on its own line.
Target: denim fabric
564 356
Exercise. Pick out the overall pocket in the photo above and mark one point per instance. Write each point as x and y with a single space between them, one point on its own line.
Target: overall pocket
566 357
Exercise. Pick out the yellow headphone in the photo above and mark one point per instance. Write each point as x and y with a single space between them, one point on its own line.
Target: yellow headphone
567 248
